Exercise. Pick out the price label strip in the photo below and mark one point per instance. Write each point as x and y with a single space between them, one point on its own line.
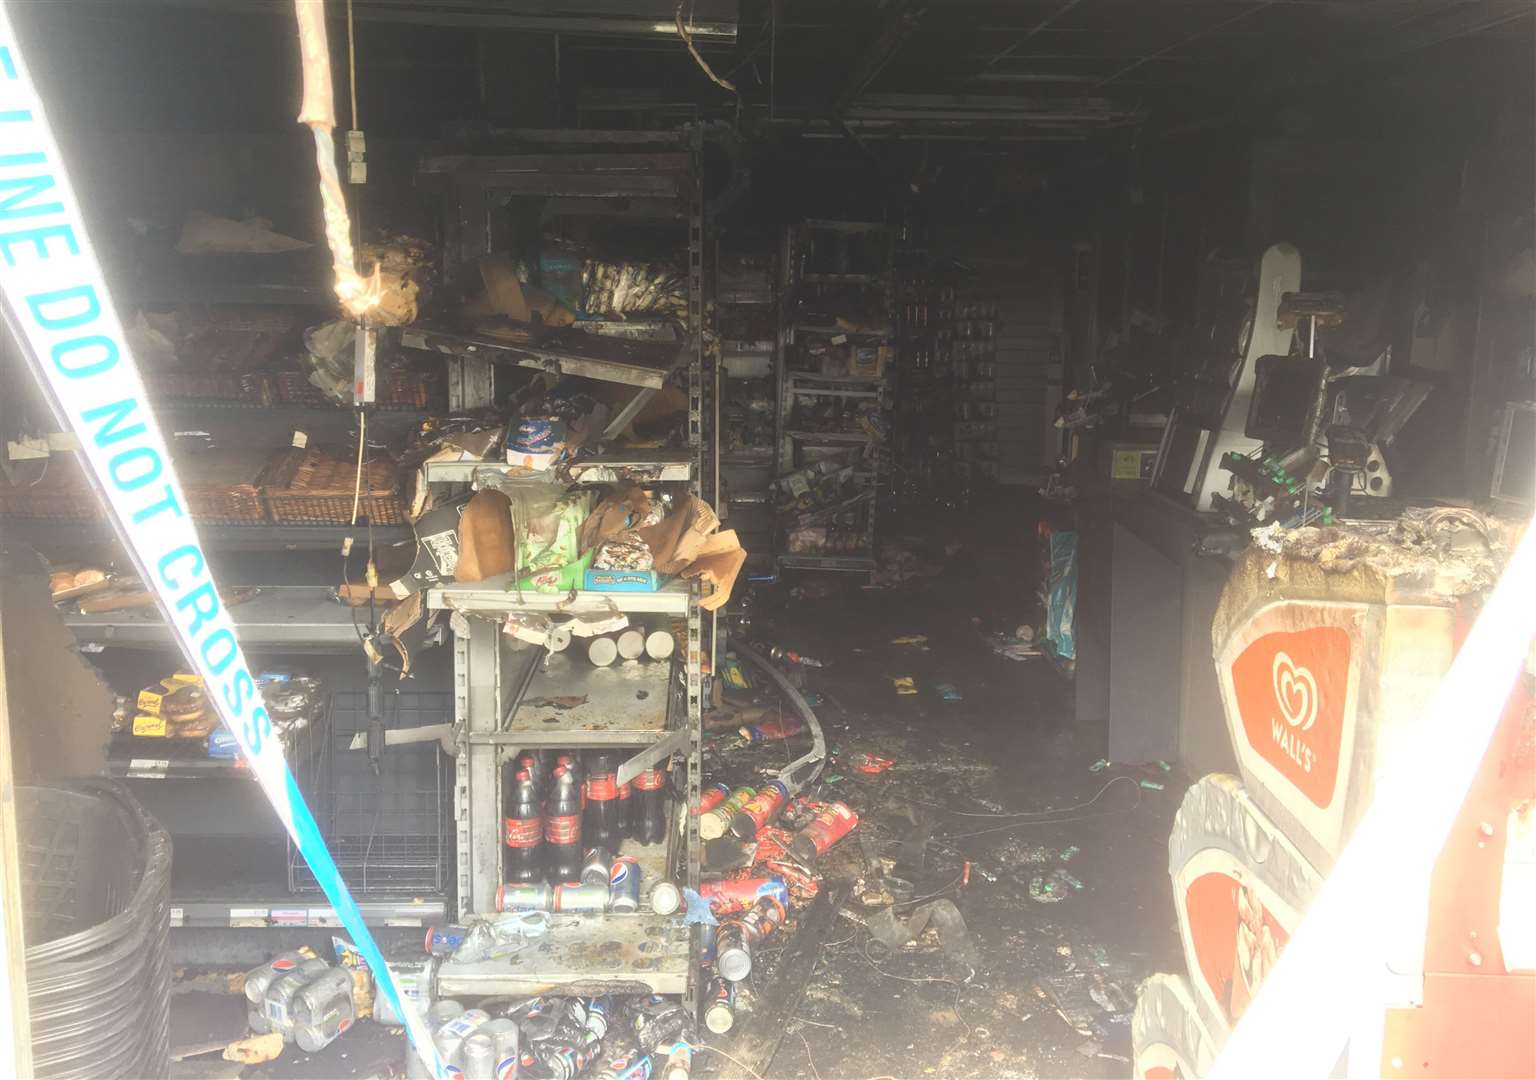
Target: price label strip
58 309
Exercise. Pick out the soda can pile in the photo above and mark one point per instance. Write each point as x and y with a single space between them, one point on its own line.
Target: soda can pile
304 999
555 1037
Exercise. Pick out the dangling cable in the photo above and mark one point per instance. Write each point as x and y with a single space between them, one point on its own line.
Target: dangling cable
358 295
352 64
682 32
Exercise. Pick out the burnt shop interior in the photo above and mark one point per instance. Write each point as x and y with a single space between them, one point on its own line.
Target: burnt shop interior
579 540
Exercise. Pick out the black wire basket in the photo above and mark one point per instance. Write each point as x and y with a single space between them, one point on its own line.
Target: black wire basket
391 833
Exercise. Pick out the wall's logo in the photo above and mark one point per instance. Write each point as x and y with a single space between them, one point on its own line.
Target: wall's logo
1291 688
1295 693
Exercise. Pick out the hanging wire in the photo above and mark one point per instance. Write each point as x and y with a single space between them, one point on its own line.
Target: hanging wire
352 64
682 32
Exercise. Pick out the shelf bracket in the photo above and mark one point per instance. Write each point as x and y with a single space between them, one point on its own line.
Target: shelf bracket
626 416
657 751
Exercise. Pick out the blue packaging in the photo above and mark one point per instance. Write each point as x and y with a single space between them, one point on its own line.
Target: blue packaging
222 745
623 580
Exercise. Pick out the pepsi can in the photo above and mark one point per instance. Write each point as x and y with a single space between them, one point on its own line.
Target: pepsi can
443 940
438 1014
257 981
477 1056
504 1033
451 1036
278 999
624 885
631 1065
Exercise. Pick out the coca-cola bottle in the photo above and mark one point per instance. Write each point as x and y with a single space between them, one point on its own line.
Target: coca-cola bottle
568 761
562 826
536 764
601 826
651 813
522 824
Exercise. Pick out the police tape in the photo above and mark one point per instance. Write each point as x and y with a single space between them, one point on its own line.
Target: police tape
61 315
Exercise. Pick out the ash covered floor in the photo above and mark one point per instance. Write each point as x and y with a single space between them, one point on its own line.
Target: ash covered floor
998 779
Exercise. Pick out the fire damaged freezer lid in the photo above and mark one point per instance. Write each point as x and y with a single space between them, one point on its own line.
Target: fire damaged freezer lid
1168 1038
1240 889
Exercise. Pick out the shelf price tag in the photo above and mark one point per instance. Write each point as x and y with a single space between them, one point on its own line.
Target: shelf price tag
61 315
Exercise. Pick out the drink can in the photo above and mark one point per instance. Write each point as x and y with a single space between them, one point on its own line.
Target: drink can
477 1057
257 981
525 896
733 954
581 898
597 867
323 1023
443 940
679 1062
598 1010
739 894
505 1035
278 1001
719 1005
666 898
450 1037
632 1065
317 995
443 1011
624 885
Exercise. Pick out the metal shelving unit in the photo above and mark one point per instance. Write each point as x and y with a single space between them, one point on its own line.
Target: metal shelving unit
502 688
744 298
586 950
797 385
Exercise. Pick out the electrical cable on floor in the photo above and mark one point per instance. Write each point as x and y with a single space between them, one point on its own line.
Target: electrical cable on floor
734 1061
907 978
809 1060
933 895
1052 821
